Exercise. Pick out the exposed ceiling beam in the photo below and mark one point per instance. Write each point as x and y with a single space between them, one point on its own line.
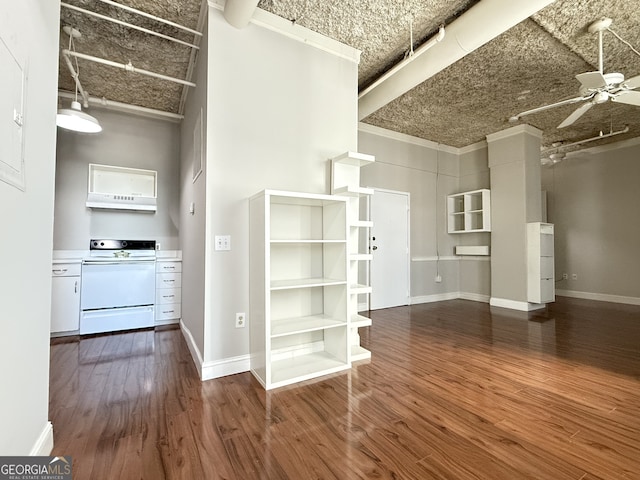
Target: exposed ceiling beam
480 24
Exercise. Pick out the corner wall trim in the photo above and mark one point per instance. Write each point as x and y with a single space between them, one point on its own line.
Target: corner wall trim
603 297
226 366
44 443
515 304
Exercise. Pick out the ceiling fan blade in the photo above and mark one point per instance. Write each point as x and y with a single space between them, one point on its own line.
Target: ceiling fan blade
628 97
633 82
592 80
517 117
577 113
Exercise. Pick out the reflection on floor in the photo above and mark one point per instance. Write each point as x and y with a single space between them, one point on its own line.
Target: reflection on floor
454 389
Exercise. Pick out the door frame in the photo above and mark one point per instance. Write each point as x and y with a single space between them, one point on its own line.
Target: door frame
408 220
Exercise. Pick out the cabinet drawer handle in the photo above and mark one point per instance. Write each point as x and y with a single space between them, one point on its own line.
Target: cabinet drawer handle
168 311
169 268
75 287
168 296
169 281
58 271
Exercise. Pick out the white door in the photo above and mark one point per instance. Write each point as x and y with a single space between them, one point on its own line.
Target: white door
389 245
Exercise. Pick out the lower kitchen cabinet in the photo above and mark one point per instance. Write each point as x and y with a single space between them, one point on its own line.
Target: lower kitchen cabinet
168 291
65 299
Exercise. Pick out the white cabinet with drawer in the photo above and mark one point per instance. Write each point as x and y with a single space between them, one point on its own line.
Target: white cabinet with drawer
168 291
65 298
540 263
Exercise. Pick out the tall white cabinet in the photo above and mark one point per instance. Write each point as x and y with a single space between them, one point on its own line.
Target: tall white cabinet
540 263
298 285
345 180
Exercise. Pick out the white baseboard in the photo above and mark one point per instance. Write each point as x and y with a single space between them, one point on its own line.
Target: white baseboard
226 366
476 297
437 297
44 444
602 297
515 304
215 368
193 348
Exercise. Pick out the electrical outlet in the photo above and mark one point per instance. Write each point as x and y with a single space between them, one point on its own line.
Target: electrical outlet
241 320
438 278
574 276
565 276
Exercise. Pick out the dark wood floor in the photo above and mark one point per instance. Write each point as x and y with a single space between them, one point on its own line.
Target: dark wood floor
455 390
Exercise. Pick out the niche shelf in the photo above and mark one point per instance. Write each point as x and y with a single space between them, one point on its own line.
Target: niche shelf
469 211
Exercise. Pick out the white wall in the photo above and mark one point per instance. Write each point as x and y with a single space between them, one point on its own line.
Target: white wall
31 28
593 200
127 140
193 235
278 109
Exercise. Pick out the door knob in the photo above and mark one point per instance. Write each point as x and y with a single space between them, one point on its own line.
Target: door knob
374 247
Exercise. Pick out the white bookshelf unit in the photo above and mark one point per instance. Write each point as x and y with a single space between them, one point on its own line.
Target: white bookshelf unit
345 180
299 326
540 263
469 211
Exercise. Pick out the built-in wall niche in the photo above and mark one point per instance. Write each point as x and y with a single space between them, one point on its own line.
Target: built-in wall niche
122 188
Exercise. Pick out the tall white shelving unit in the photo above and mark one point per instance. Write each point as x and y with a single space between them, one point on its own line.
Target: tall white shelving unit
540 263
345 180
298 286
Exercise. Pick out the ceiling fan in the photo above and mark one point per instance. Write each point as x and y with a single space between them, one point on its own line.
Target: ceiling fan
596 87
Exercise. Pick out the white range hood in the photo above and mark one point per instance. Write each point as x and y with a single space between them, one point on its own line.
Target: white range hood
122 188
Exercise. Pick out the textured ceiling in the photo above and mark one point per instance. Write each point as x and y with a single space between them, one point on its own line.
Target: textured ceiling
531 65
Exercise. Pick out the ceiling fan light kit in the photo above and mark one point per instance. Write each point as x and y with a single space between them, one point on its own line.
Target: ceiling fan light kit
595 87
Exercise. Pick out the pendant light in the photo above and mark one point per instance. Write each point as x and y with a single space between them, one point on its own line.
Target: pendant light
74 118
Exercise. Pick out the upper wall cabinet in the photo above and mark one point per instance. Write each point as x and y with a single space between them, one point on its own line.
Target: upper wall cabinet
469 211
122 188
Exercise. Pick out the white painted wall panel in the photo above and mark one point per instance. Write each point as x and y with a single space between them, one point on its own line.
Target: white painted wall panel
278 110
26 219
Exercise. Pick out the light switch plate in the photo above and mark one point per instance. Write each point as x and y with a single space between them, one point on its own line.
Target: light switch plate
223 242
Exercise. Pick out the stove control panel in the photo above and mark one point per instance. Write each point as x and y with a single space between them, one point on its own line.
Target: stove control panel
104 244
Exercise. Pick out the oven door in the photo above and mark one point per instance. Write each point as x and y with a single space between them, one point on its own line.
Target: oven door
117 284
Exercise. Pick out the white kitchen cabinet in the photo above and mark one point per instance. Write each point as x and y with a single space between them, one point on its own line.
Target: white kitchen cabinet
469 211
168 291
299 326
65 299
345 180
540 263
